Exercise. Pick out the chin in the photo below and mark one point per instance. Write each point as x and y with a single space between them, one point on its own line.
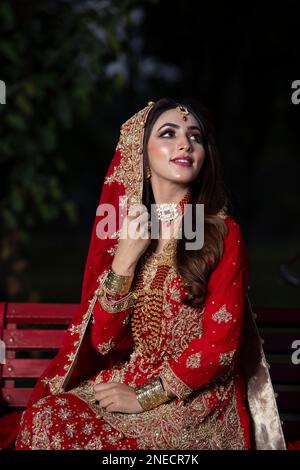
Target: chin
183 180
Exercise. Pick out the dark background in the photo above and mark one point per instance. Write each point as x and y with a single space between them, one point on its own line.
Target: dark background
71 85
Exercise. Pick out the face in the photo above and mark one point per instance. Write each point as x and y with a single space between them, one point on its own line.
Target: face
175 148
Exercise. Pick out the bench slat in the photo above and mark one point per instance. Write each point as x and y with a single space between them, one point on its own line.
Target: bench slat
24 368
16 397
33 339
40 313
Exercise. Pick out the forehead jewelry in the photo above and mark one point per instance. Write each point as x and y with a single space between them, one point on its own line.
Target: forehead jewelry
183 111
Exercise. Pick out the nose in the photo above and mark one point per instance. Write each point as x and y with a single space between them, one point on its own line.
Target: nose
184 145
183 142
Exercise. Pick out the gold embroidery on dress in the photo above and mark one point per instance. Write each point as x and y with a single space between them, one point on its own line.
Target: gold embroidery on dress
174 324
195 425
194 361
70 429
222 315
54 383
58 383
104 348
112 250
94 444
42 422
174 383
64 414
85 321
44 438
226 358
25 436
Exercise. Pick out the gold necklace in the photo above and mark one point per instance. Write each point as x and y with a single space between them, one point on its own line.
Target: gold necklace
146 318
153 260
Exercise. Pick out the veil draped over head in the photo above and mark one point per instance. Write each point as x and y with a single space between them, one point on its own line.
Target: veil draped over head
124 178
77 359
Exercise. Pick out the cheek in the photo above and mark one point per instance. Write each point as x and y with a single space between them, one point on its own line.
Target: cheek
157 150
200 157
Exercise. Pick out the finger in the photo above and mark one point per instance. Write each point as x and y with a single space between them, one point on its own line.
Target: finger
143 220
135 229
145 231
137 209
103 395
113 408
140 220
104 386
106 402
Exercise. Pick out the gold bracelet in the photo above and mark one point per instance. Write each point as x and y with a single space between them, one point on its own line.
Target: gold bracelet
116 283
151 394
115 306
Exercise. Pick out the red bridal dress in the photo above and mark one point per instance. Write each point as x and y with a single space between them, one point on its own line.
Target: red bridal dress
211 358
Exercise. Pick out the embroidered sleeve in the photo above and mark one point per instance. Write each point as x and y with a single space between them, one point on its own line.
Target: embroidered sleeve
213 354
110 322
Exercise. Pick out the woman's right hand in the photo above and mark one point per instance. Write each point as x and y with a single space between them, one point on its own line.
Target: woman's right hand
134 240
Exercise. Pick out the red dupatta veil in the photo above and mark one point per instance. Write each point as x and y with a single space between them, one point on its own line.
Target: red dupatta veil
77 359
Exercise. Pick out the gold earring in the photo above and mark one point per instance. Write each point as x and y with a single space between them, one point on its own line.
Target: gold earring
148 173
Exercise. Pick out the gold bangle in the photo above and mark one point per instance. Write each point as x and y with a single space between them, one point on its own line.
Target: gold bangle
151 394
116 306
117 284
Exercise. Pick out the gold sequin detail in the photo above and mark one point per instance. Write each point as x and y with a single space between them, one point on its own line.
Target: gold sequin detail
194 361
222 315
226 358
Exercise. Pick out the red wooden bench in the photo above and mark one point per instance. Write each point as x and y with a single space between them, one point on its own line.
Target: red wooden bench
34 332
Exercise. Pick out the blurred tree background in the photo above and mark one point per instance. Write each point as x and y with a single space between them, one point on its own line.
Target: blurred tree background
75 70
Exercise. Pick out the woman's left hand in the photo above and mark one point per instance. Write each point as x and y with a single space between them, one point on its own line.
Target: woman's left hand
117 398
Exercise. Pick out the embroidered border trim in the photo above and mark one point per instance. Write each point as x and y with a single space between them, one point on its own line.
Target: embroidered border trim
174 383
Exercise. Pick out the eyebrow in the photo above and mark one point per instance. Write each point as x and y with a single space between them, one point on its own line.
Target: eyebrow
170 124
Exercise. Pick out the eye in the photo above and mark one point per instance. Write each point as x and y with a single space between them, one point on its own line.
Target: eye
168 131
171 133
197 138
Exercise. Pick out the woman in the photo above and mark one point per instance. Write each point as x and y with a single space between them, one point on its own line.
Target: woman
153 359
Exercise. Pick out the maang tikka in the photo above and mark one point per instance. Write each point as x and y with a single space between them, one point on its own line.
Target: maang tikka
183 111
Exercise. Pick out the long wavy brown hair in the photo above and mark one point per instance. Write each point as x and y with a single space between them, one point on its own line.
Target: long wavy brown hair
195 266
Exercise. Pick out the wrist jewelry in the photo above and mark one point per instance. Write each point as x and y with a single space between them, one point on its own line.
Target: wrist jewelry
116 306
116 284
151 394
